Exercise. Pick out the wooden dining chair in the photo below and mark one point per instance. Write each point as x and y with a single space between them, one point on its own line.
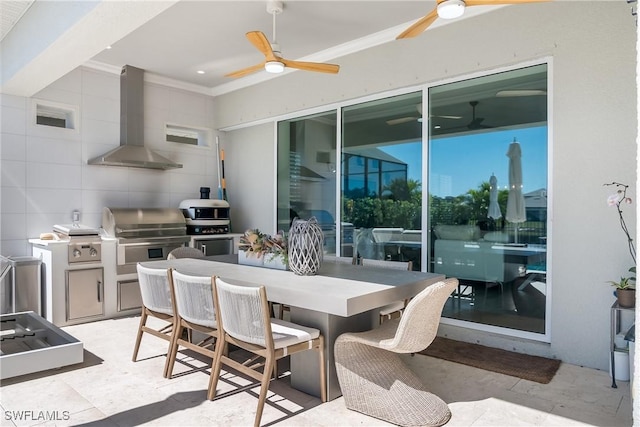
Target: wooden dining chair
195 311
156 302
245 322
393 310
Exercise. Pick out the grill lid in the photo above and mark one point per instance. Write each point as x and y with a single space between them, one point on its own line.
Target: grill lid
143 222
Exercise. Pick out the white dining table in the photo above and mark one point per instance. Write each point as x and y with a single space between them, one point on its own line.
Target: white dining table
339 298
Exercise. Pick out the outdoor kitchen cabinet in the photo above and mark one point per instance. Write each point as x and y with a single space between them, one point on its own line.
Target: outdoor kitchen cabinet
85 293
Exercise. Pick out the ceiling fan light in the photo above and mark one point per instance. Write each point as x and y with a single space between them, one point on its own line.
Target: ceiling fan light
274 67
451 9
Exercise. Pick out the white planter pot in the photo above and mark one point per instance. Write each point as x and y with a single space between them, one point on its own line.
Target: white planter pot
249 259
275 262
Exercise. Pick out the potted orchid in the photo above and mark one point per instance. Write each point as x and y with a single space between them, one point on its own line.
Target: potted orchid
626 286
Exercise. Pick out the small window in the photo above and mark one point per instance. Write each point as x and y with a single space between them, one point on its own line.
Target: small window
55 115
187 135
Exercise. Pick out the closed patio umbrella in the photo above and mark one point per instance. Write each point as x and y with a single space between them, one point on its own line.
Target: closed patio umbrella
516 212
494 208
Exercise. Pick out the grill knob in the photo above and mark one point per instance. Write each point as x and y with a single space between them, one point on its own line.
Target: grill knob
93 252
76 253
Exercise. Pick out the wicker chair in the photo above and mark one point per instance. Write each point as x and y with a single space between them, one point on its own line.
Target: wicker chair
373 378
245 322
185 252
195 311
393 310
156 302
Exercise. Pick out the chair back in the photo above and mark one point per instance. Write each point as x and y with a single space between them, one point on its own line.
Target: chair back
244 312
418 325
337 259
193 297
396 265
155 289
185 252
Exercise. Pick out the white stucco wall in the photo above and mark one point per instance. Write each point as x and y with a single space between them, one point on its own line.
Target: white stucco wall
593 126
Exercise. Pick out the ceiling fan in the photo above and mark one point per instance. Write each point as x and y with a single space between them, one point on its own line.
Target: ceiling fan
476 122
274 62
418 118
451 9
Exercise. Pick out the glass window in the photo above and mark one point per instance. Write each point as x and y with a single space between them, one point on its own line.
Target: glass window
381 176
487 196
307 173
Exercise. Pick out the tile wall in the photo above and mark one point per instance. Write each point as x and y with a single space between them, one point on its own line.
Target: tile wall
44 174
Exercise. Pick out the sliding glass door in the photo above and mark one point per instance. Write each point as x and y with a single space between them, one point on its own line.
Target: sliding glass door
485 173
488 196
381 192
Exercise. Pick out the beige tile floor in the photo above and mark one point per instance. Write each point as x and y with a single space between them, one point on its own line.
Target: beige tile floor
110 390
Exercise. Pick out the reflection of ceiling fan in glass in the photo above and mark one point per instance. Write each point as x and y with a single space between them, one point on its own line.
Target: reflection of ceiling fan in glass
418 117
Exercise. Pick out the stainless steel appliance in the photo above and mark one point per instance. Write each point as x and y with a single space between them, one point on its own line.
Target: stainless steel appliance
206 216
143 234
85 284
21 280
132 152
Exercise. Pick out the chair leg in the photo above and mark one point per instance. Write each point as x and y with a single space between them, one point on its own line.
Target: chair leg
143 322
323 371
264 388
216 367
173 350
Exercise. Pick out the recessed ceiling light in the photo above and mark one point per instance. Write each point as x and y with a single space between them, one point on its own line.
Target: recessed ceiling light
108 47
437 126
200 71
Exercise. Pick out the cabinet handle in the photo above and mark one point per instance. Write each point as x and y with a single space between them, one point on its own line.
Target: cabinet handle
99 284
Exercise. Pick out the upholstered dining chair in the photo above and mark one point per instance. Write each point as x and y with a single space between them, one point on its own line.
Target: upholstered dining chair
185 252
156 302
195 311
393 310
245 322
373 378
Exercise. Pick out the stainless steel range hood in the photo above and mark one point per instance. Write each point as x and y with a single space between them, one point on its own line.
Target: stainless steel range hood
132 152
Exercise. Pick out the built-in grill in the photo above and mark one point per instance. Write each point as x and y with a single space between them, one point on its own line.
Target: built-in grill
143 234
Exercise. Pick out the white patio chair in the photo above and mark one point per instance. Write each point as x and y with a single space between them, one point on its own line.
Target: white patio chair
185 252
156 302
195 311
245 322
393 310
373 378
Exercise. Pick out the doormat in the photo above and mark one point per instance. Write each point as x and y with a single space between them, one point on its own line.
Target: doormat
532 368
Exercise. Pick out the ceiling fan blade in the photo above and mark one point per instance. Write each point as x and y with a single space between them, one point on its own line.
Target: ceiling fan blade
311 66
401 120
499 2
260 41
520 92
245 71
419 26
447 117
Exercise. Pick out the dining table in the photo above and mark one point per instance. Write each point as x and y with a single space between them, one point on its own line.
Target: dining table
339 298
